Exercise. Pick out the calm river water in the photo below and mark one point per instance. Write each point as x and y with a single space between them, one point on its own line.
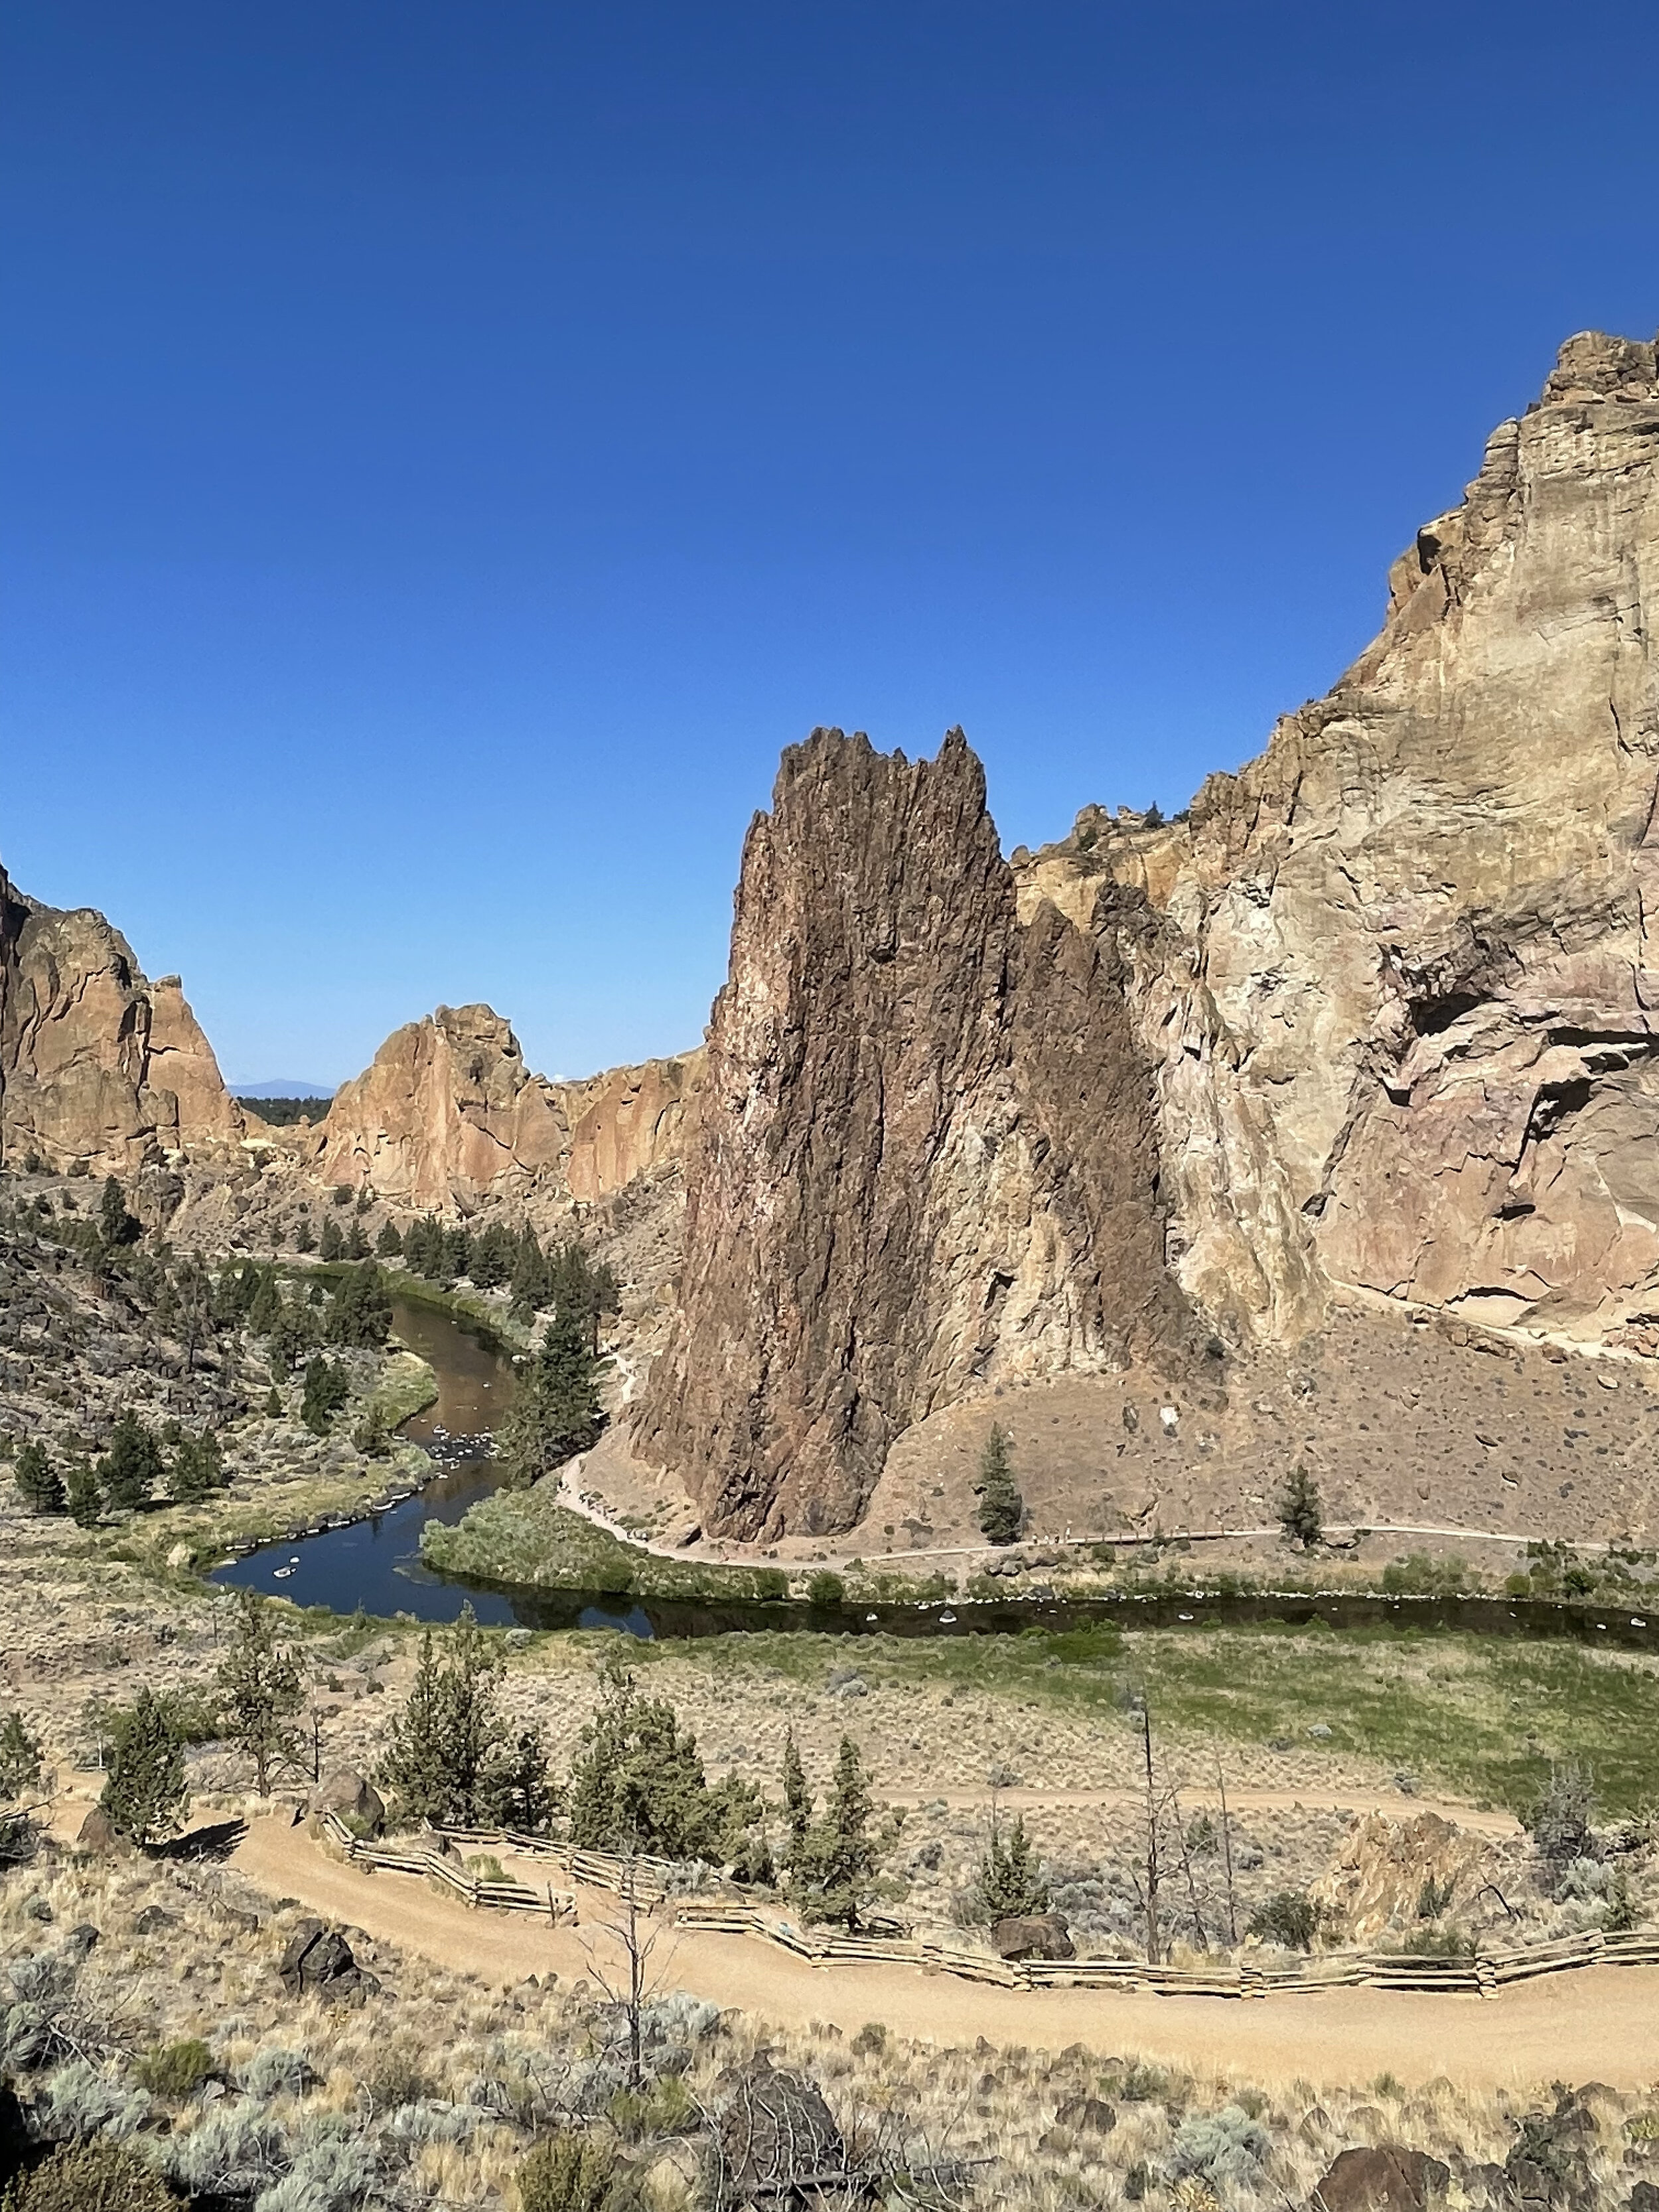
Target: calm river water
376 1563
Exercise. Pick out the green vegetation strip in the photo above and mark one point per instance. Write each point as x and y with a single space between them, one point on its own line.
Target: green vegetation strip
522 1537
1484 1717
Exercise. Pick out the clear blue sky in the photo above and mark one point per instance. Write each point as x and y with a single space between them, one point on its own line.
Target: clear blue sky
449 449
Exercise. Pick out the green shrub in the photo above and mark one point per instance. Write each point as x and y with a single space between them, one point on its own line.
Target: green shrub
825 1589
93 2177
569 2171
872 2038
1291 1919
176 2069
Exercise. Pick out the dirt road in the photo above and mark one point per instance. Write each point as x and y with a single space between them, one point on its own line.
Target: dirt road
1601 2023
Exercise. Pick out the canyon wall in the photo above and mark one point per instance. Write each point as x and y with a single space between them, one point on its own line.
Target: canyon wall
448 1114
924 1156
98 1066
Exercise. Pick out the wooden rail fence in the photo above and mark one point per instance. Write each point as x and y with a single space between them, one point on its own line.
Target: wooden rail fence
651 1881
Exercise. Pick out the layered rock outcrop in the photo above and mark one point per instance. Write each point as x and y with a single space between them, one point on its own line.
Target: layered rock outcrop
1402 989
924 1157
98 1066
449 1114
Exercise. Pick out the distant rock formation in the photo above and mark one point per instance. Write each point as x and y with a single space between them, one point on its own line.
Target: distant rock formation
98 1067
448 1114
924 1156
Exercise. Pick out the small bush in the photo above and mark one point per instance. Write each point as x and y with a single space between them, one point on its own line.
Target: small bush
78 2099
275 2072
397 2078
1227 2146
1290 1918
825 1589
176 2069
102 2176
569 2171
871 2039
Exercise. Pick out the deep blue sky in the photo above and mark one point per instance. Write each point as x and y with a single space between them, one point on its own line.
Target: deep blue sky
448 449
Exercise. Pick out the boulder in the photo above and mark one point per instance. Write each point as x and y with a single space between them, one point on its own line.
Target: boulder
1086 2116
320 1961
154 1920
1388 2179
356 1801
1033 1935
773 2128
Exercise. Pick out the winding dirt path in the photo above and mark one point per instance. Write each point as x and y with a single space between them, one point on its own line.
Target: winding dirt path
1600 2023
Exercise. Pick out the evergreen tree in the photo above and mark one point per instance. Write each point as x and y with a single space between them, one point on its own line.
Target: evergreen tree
115 1224
38 1483
19 1758
797 1797
1001 1508
273 1404
359 1312
260 1680
192 1293
492 1257
1010 1885
637 1782
457 1252
834 1870
303 1239
146 1796
333 1243
86 1499
443 1764
531 1288
198 1468
291 1335
556 1411
389 1244
1300 1513
356 1244
521 1796
327 1390
268 1307
131 1467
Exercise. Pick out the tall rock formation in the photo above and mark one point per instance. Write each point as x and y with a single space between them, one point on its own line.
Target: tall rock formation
924 1156
98 1066
449 1114
1402 983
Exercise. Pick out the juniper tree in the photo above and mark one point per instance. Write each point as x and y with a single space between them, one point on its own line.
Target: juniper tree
556 1411
327 1390
38 1483
84 1497
520 1794
259 1678
797 1797
19 1758
1001 1508
835 1869
146 1796
1009 1886
1300 1513
131 1467
304 1241
198 1468
115 1224
389 1244
333 1242
638 1782
359 1312
442 1764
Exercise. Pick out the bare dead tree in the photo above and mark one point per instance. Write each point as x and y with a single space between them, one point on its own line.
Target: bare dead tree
1227 1854
1153 1863
632 1989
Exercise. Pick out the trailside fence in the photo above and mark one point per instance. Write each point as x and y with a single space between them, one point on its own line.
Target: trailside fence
652 1881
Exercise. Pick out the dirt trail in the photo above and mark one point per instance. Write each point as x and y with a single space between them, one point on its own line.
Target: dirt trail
1600 2023
1336 1797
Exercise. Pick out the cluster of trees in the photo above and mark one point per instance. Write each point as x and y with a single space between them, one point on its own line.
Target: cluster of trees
563 1277
555 1410
451 1758
126 1477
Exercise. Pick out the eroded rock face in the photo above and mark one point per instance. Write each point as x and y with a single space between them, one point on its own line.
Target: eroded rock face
97 1065
449 1114
924 1157
1401 982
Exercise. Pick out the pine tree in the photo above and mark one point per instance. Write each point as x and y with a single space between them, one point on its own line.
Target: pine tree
556 1410
1001 1508
267 1308
333 1243
260 1680
303 1239
443 1765
415 1771
637 1782
389 1244
834 1872
291 1335
1300 1513
86 1499
1009 1886
327 1390
147 1796
130 1469
519 1794
492 1256
38 1483
198 1468
273 1404
528 1276
115 1224
359 1312
356 1244
797 1797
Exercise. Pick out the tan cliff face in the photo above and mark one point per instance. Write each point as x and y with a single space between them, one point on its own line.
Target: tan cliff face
98 1066
448 1114
1400 983
923 1158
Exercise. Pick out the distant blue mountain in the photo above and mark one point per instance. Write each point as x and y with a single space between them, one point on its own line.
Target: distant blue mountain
282 1086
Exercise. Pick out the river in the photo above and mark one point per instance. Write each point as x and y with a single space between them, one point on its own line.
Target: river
376 1563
